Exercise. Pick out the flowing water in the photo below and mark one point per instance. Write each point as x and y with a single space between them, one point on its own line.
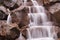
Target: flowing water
40 15
40 26
9 19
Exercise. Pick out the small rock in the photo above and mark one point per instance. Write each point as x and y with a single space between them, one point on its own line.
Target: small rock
54 8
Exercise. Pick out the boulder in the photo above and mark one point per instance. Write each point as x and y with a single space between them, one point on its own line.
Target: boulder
3 13
19 2
49 1
16 17
9 32
20 16
29 3
54 8
55 11
3 16
11 4
24 19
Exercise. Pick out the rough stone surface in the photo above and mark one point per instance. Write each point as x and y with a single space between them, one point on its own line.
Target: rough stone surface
54 8
9 31
3 13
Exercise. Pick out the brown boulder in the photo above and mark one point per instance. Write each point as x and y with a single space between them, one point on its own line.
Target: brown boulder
9 31
55 11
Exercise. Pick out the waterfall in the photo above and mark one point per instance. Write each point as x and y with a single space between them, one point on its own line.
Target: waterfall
39 26
34 2
9 19
40 15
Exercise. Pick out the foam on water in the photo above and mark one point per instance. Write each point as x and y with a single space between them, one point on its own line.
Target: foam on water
45 25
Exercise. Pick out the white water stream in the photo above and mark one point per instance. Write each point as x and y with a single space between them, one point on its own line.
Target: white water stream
9 19
37 30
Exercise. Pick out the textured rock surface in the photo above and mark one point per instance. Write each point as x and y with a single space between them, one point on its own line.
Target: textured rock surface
9 32
20 16
20 19
49 1
54 8
3 13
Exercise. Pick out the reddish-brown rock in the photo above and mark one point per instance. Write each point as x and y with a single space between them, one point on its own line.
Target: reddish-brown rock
9 31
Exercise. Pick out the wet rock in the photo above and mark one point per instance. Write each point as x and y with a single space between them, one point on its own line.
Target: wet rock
19 8
40 2
58 32
3 16
49 1
14 33
16 17
24 32
2 8
9 32
55 11
20 16
3 13
58 35
54 8
29 3
2 22
24 20
11 4
19 2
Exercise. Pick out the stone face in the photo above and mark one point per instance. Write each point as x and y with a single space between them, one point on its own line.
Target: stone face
3 13
54 8
40 2
9 3
19 2
49 1
20 16
9 31
29 3
3 16
16 17
24 19
2 8
55 11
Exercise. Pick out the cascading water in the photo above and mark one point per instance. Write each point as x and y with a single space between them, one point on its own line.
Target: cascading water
35 19
39 15
25 1
9 19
